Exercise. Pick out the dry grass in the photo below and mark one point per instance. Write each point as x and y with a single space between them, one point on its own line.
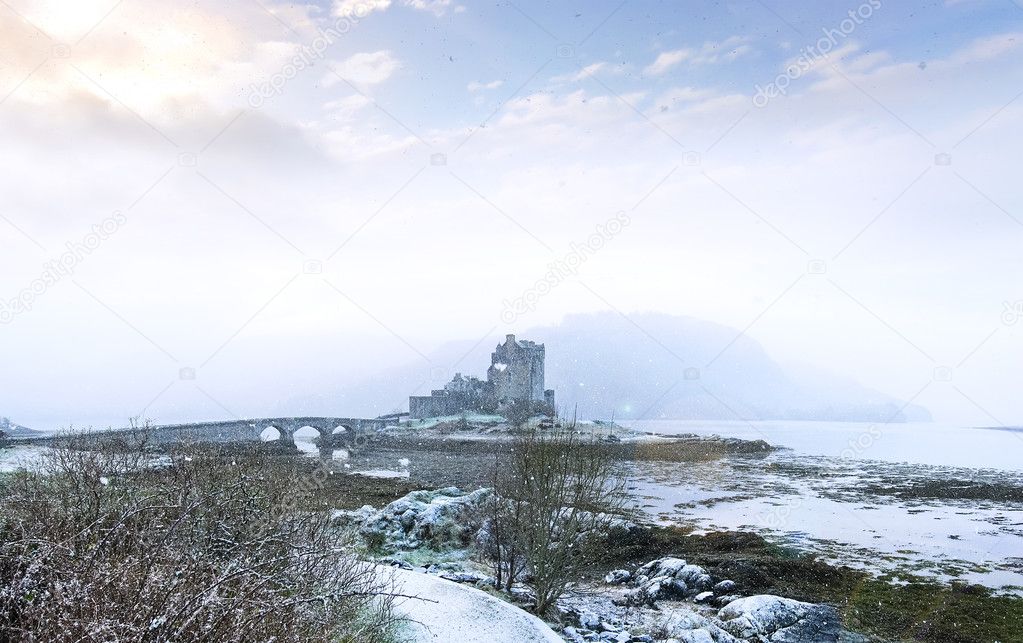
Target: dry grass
110 544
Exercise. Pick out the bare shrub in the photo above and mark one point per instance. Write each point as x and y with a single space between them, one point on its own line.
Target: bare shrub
554 491
112 543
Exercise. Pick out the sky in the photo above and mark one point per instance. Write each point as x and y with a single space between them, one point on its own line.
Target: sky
212 207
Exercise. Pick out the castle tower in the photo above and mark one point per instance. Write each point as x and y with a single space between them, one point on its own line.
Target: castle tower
517 371
516 374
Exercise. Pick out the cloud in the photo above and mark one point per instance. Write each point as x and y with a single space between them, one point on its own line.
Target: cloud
582 154
677 96
711 52
367 68
436 7
666 60
474 87
166 62
585 72
988 48
362 8
346 108
359 8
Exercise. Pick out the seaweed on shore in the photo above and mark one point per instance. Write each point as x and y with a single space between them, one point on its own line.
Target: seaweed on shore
894 609
937 489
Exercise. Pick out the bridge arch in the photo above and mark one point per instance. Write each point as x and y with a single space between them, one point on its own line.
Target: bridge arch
307 432
270 433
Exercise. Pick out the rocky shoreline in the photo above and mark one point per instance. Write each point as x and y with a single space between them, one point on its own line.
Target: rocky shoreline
665 599
662 583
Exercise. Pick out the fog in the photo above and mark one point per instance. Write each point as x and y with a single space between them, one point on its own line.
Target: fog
244 221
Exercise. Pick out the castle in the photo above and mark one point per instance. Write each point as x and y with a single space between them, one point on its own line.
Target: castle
516 374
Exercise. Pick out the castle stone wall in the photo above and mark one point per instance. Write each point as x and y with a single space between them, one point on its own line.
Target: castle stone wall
516 374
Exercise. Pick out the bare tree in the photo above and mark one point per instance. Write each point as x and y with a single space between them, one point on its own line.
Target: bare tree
554 491
502 540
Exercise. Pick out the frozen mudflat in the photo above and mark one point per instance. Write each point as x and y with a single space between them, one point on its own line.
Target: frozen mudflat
921 499
949 519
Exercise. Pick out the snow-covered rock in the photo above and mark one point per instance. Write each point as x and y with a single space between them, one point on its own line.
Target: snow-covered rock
471 578
780 620
618 576
589 620
700 635
441 519
394 562
602 610
694 576
657 589
667 579
691 627
668 566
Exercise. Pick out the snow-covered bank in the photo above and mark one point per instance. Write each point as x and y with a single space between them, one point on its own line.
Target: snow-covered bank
448 611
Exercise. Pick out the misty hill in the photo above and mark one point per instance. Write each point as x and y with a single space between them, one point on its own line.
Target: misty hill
646 366
13 430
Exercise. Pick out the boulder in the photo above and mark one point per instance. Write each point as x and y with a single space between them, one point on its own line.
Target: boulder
700 635
668 579
661 588
690 627
695 577
471 578
618 576
609 627
521 594
780 620
442 519
661 567
724 587
394 562
449 566
589 620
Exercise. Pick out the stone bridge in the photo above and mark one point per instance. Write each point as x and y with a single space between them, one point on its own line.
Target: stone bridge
334 431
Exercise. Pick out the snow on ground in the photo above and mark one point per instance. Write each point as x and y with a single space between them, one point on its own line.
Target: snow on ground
447 611
21 457
381 473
